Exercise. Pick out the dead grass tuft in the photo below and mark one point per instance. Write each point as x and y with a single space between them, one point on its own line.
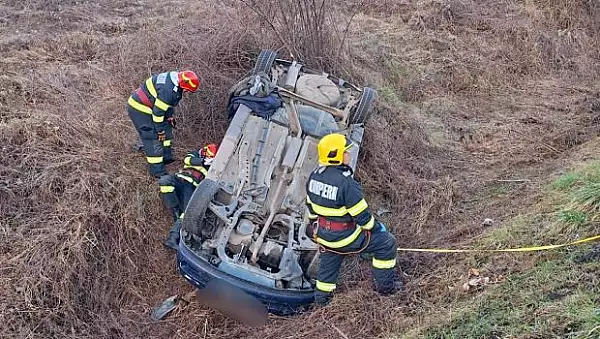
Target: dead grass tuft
81 222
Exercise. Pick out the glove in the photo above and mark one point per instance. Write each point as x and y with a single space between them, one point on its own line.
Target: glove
311 229
162 136
172 121
208 161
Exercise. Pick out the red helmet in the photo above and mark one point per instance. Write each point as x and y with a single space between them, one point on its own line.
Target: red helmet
188 80
209 151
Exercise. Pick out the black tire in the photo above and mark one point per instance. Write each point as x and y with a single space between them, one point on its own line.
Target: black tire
198 204
264 62
362 112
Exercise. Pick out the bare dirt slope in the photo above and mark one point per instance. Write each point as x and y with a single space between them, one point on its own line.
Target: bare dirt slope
472 92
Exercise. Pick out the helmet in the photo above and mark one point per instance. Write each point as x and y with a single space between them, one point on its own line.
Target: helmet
188 80
331 149
209 151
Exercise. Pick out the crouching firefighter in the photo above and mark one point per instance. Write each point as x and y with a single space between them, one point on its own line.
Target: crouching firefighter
341 222
151 109
177 188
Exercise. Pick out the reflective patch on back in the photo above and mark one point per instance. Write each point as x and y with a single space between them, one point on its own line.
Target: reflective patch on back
174 78
323 190
161 78
346 173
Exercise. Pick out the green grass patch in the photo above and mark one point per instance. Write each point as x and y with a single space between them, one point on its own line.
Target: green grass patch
555 299
388 94
573 217
566 181
551 294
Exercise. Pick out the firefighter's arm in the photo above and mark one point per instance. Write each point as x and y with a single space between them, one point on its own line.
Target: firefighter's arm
160 109
357 206
312 226
193 159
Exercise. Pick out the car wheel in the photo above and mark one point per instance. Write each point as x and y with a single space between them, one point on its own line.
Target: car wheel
265 61
198 204
362 112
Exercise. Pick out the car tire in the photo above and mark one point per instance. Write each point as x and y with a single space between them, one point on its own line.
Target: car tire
198 204
264 62
362 112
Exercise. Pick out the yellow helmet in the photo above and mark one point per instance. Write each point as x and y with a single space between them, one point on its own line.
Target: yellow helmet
331 149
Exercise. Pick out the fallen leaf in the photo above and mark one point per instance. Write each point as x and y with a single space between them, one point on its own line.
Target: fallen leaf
473 272
474 282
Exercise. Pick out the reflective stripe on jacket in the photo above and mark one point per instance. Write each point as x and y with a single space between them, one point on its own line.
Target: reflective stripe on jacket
333 193
157 96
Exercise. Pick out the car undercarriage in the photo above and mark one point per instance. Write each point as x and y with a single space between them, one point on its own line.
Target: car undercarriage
247 219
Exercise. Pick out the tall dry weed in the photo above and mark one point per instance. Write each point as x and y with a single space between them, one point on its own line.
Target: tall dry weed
313 32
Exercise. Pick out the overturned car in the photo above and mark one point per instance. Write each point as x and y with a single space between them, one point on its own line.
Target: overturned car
246 221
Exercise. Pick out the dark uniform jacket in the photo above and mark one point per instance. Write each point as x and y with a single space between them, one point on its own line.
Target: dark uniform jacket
333 193
194 169
157 96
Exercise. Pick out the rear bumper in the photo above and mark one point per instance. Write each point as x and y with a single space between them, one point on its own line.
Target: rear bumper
199 272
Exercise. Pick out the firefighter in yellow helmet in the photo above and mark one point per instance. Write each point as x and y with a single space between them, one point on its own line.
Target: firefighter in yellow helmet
341 222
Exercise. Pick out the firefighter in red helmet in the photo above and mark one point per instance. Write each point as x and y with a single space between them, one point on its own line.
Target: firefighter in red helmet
177 188
151 109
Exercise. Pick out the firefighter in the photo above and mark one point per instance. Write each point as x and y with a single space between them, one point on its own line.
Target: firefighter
151 109
342 223
177 188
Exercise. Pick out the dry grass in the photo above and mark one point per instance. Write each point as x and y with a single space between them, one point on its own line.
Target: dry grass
313 32
468 96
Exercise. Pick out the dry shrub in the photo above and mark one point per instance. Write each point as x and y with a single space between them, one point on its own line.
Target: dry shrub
313 32
76 47
81 219
81 222
385 8
407 171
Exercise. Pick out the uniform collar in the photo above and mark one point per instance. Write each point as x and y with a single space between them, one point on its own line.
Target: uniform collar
343 168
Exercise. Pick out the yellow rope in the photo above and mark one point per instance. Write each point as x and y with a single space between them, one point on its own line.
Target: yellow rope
521 249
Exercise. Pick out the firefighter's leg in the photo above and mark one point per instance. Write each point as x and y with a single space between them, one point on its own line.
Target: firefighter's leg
167 152
184 190
187 190
152 147
173 240
329 269
168 186
383 248
154 157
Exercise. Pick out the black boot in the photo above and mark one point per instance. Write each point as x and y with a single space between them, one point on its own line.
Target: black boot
172 241
176 213
398 286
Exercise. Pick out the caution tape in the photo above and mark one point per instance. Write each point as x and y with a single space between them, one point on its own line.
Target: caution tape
521 249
